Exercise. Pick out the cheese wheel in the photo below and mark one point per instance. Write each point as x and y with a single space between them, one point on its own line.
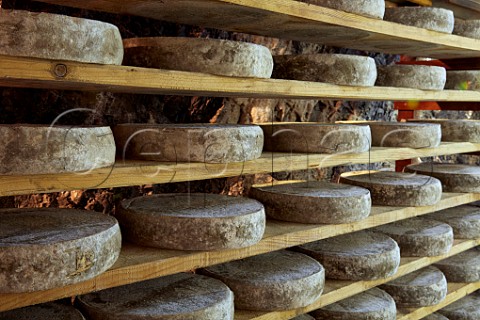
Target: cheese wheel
220 57
59 37
467 28
418 237
454 177
395 188
457 130
435 316
304 317
314 202
310 137
463 267
374 304
368 8
280 280
431 18
338 69
463 80
412 76
356 256
209 143
42 249
192 221
46 311
464 220
40 149
467 308
422 288
181 296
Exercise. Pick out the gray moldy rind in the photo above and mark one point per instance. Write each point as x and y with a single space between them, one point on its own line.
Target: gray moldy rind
464 220
280 280
467 308
369 8
412 76
314 202
181 296
220 57
42 249
463 267
209 143
435 316
431 18
59 37
46 311
467 28
454 130
463 80
192 221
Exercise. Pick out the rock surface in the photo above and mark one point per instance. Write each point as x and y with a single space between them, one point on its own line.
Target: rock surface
316 137
454 177
220 57
463 80
40 149
463 267
464 220
368 8
46 311
461 130
436 19
356 256
177 297
279 280
59 37
374 304
42 249
338 69
192 221
467 308
314 202
396 189
209 143
467 28
412 76
422 288
419 237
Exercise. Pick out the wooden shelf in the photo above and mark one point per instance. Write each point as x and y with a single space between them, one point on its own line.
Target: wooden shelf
131 173
339 290
38 73
294 20
139 263
456 291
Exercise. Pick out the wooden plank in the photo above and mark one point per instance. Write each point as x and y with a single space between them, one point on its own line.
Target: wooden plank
294 20
130 173
38 73
456 291
140 263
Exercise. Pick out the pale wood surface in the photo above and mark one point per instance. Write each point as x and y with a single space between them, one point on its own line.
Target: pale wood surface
456 291
294 20
131 173
141 263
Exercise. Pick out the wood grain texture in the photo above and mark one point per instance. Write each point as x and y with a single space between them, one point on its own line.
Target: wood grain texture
298 21
140 263
129 173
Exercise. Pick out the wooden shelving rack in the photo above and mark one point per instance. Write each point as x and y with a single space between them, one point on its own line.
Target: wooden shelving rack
276 18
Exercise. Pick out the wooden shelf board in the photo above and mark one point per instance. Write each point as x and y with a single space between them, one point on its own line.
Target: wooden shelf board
456 291
141 263
294 20
339 290
38 73
131 173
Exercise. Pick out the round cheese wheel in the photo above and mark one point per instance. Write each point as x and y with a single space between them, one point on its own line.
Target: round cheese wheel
41 149
418 237
280 280
368 8
464 220
467 308
435 316
192 221
431 18
42 249
463 80
210 143
395 188
338 69
374 304
59 37
44 311
220 57
177 297
463 267
304 317
425 287
356 256
412 76
467 28
314 202
316 137
457 130
454 177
